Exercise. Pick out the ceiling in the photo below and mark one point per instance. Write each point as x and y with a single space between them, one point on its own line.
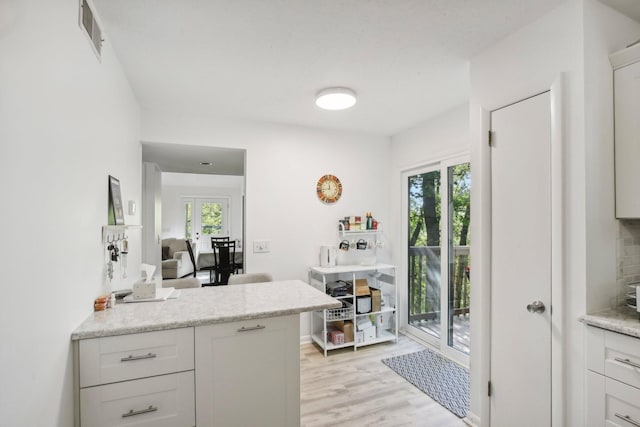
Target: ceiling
188 158
261 60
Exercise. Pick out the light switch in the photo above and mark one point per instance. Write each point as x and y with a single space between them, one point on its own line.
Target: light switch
260 246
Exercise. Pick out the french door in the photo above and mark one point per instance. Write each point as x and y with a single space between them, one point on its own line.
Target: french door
436 255
205 218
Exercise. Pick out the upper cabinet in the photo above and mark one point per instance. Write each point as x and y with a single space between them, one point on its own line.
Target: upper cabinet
626 77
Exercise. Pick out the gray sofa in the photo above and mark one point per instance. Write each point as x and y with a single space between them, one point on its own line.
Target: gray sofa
176 261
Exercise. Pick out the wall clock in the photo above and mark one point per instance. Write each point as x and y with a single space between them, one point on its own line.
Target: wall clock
329 188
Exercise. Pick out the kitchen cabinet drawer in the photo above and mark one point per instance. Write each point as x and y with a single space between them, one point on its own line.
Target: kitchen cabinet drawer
622 359
615 355
119 358
162 401
622 404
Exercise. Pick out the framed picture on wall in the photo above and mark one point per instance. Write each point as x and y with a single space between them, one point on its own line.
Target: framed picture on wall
116 214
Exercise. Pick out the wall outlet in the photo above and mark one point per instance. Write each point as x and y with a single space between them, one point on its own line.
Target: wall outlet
260 246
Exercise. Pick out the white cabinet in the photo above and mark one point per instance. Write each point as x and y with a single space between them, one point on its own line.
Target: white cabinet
159 401
626 76
248 373
613 379
383 321
143 379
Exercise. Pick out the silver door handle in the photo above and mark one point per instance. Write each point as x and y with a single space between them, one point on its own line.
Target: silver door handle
536 307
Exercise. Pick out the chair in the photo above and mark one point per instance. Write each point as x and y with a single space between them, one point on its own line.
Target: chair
193 258
177 258
224 253
215 240
241 279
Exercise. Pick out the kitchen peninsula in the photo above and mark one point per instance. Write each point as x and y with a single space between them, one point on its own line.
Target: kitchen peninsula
226 355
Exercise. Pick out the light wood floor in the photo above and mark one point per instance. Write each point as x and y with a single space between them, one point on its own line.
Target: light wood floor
356 389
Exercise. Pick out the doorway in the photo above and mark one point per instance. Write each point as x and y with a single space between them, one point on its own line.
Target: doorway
437 227
521 263
212 177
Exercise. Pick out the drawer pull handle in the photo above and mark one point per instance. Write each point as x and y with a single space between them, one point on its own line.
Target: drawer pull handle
627 362
628 419
133 413
251 328
132 357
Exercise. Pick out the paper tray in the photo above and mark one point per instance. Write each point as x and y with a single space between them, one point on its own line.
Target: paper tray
162 294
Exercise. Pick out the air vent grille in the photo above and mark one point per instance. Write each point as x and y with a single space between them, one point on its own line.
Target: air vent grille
89 24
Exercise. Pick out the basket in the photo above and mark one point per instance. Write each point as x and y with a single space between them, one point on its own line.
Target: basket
343 313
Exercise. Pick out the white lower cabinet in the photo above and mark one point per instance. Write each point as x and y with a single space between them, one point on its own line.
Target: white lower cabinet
161 401
613 379
248 373
144 380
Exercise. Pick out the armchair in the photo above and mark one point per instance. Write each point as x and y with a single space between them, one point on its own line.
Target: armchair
177 259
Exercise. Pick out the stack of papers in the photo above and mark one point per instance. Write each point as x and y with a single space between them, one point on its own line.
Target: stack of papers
162 294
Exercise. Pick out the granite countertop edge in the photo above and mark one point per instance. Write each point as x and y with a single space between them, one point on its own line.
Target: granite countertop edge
206 306
623 320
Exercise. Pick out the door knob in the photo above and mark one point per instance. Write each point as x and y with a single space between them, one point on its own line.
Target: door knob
536 307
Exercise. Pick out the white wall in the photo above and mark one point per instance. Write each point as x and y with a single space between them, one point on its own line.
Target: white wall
66 123
175 186
569 39
283 167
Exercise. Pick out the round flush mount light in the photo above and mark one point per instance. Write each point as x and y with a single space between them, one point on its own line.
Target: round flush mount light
335 98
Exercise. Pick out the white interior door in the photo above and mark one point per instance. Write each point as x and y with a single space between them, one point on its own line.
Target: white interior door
521 263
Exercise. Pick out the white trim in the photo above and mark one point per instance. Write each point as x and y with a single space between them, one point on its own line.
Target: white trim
481 273
557 254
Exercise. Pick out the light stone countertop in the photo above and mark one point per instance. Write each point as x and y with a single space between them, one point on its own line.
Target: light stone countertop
205 306
620 319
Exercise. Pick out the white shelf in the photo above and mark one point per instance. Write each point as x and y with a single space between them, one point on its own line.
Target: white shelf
352 268
384 310
329 345
384 337
384 279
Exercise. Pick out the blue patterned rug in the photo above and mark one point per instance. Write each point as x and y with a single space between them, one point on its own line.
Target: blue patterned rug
444 381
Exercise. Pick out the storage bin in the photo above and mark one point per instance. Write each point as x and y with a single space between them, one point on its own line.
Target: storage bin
363 305
336 337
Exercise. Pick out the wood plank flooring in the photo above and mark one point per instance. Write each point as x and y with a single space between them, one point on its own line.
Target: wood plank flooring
356 389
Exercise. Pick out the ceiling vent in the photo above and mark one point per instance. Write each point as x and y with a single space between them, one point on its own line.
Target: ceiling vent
90 27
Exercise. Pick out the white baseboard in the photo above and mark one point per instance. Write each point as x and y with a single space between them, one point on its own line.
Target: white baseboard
305 339
472 419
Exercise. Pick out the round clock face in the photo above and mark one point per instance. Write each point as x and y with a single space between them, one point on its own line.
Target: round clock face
329 188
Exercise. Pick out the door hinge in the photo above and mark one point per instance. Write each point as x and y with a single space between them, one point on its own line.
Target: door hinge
489 388
490 138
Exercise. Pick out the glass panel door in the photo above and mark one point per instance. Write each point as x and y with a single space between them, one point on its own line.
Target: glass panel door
437 258
424 278
459 197
205 218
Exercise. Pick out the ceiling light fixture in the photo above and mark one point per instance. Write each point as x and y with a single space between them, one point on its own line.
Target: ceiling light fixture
206 163
335 98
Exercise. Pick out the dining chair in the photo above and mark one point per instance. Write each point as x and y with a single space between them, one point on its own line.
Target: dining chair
224 253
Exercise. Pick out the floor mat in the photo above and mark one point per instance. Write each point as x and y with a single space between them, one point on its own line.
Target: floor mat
444 381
